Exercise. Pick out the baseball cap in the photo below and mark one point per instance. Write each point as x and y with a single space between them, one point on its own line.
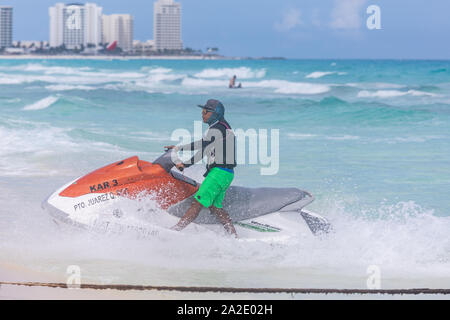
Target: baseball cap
213 106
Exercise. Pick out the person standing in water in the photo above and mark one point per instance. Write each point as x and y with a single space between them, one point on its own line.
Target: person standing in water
219 146
232 84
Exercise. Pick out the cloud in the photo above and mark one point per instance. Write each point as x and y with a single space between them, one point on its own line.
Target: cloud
346 14
291 19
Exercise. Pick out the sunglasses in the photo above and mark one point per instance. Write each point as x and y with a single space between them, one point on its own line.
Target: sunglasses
205 112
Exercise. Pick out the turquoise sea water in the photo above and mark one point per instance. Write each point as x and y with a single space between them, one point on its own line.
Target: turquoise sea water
370 139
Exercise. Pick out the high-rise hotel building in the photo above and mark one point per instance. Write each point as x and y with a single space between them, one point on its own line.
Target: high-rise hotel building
167 25
6 26
118 27
75 24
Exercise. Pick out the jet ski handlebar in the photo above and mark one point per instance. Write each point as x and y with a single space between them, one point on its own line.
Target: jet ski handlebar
166 160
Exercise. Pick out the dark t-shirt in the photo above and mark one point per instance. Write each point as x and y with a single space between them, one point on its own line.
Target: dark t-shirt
218 145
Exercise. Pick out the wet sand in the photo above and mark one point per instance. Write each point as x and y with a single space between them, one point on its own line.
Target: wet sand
25 288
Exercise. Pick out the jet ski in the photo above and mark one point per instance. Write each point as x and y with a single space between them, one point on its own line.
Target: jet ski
100 201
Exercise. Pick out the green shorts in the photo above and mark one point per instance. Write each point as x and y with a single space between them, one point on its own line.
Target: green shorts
214 187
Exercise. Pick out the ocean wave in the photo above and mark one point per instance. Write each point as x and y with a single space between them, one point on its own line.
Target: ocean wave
393 94
240 73
192 82
14 100
29 148
153 83
279 86
149 135
403 238
409 139
375 85
64 87
36 67
155 70
320 74
29 137
9 81
42 104
80 79
288 87
301 136
161 77
307 136
343 138
362 139
25 146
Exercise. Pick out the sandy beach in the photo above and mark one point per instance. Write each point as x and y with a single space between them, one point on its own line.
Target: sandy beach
16 283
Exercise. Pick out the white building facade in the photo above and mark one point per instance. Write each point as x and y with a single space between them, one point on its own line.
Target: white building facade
120 28
144 48
6 26
75 25
167 25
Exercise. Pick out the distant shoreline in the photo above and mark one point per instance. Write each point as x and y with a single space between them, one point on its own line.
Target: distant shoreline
102 57
77 57
125 58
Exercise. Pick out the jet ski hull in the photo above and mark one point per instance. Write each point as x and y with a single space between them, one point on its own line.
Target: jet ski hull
96 202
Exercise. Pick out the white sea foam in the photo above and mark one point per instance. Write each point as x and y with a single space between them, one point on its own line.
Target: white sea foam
64 87
375 85
42 104
301 136
240 73
36 67
25 147
160 77
409 139
150 136
288 87
9 80
73 76
406 242
306 136
155 69
393 93
30 149
30 137
154 82
303 88
343 138
192 82
319 74
65 70
13 100
278 86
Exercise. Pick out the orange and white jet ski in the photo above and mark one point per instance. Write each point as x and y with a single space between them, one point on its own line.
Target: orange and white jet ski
96 202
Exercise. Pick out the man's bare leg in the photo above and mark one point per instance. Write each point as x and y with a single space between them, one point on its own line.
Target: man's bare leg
224 219
189 216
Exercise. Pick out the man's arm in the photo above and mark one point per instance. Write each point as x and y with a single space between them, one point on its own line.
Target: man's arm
199 154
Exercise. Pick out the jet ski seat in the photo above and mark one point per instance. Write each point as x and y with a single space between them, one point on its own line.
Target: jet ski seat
241 203
246 203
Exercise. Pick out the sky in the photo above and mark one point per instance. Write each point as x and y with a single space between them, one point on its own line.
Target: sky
305 29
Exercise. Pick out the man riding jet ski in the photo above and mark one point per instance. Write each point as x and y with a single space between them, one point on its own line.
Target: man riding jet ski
219 170
94 201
